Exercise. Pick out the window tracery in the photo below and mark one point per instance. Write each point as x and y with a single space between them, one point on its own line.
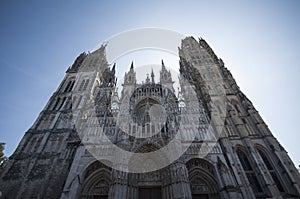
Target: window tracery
271 169
250 173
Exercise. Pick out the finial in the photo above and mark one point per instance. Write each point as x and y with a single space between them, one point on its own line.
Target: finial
152 76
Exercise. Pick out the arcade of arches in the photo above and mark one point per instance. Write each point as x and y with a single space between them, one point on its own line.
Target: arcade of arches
196 179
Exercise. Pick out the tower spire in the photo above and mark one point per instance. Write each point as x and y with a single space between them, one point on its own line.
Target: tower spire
163 64
131 67
152 76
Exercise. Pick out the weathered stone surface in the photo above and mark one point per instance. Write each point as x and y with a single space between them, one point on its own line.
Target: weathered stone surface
244 160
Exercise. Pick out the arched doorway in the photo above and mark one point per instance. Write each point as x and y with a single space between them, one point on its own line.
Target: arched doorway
96 182
148 184
202 179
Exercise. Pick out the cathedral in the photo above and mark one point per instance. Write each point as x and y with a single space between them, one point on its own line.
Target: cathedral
103 137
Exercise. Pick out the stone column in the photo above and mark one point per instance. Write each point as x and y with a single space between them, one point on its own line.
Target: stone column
176 182
229 188
119 186
132 192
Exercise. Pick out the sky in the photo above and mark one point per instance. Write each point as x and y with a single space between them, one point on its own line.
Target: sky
257 40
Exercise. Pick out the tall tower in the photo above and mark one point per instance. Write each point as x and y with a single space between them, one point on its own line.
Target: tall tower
230 152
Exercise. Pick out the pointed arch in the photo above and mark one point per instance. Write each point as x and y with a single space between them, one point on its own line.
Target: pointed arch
85 84
67 87
202 179
248 169
270 166
97 180
81 85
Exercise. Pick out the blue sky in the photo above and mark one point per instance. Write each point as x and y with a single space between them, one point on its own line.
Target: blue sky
258 41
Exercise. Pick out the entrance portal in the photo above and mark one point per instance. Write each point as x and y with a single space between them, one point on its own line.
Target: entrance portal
150 193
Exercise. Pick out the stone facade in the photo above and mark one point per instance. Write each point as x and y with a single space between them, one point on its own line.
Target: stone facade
244 160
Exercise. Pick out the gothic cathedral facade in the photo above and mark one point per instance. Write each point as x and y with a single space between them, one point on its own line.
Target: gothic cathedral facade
56 160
